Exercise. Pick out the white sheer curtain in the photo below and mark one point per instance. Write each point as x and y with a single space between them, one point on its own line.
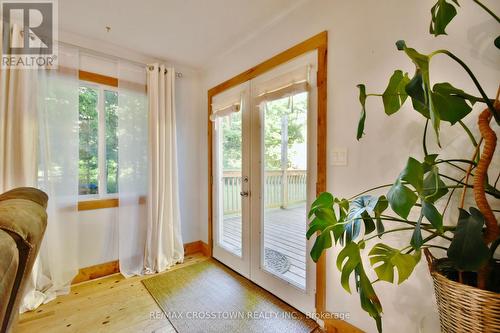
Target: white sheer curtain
18 126
133 167
164 246
39 148
57 263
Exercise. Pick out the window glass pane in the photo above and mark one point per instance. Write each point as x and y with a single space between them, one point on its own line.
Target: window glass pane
284 192
88 131
230 142
110 109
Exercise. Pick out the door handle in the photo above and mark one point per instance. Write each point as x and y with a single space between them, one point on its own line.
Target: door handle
244 193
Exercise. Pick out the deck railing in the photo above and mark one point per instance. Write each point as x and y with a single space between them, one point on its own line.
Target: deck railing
282 188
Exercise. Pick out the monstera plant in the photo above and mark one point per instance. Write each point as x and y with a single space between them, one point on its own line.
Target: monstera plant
416 203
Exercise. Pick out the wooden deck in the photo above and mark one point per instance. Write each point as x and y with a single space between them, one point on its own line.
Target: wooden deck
284 232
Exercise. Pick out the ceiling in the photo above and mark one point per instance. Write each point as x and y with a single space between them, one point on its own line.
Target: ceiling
189 32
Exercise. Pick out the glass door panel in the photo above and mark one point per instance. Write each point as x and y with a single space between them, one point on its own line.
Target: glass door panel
285 188
230 181
231 178
283 178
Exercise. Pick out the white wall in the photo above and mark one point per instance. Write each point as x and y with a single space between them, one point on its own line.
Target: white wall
362 34
98 241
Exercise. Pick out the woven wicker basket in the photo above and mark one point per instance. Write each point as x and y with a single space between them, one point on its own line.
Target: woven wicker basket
463 308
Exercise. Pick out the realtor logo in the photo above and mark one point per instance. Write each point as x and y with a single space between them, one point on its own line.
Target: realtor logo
29 32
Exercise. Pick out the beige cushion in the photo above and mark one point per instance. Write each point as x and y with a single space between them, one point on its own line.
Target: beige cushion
23 220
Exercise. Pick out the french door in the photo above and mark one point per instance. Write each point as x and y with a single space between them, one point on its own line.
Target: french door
264 148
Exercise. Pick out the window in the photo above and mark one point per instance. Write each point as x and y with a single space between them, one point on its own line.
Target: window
98 121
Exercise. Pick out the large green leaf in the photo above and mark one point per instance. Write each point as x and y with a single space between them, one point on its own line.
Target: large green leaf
415 89
368 298
395 94
380 207
325 223
323 241
324 200
434 188
416 238
316 225
449 102
451 107
346 267
429 162
447 89
401 199
348 262
441 15
413 173
358 212
384 259
467 249
419 88
362 117
432 215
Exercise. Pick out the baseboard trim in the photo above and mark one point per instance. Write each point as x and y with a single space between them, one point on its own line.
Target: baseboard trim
96 271
112 267
340 326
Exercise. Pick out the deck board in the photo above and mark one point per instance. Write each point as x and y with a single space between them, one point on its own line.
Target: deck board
284 231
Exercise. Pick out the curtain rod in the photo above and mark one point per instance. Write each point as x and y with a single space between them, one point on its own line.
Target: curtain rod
98 53
177 74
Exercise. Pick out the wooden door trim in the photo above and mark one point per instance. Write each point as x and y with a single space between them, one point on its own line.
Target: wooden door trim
318 42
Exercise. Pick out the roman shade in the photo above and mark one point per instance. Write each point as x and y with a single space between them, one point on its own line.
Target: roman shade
292 82
229 102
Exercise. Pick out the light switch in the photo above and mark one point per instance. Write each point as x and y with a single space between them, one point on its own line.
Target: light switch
338 157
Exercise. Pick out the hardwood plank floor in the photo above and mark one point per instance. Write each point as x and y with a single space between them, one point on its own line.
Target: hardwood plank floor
109 304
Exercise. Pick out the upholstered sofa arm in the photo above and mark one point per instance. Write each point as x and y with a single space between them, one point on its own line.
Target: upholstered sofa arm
9 265
22 218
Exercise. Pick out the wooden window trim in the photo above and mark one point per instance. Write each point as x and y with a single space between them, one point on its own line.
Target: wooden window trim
98 204
104 203
98 78
318 42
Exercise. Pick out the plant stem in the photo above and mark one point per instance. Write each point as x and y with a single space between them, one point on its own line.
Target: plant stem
469 133
425 225
474 79
424 144
489 11
456 160
425 240
437 247
388 232
369 190
494 194
450 196
456 166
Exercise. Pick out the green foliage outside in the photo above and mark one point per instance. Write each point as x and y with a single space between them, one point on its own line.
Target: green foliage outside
89 137
275 110
88 121
110 108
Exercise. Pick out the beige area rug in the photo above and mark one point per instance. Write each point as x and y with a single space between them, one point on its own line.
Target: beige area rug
209 297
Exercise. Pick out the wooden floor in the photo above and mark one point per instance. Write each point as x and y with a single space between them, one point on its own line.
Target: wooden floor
284 232
109 304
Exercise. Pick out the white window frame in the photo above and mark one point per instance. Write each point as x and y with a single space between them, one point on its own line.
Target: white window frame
102 183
